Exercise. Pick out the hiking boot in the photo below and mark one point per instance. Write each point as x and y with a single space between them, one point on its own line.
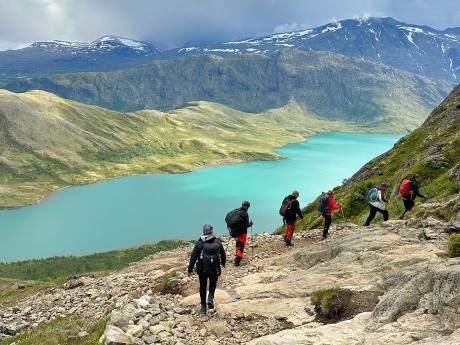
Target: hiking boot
211 301
237 261
289 244
203 309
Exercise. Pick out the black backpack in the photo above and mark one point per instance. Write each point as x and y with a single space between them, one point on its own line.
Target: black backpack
209 263
286 207
235 223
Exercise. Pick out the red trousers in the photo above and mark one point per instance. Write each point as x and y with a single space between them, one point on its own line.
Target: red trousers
240 244
289 231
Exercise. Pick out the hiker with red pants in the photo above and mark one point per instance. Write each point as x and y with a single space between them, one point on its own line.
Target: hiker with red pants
327 207
290 209
376 199
238 223
409 190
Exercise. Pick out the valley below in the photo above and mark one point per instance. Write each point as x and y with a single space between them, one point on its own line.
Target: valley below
146 208
47 142
115 152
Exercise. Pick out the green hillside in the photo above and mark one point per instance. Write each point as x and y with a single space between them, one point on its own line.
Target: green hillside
432 151
325 84
47 142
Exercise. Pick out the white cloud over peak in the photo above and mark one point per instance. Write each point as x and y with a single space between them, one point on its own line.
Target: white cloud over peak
287 27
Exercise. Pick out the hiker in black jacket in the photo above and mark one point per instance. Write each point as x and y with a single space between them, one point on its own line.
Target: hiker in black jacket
290 215
409 196
209 255
240 229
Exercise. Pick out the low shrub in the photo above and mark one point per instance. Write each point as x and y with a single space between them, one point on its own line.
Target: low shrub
334 305
454 246
325 302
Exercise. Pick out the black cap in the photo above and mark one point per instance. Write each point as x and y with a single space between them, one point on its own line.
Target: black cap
246 203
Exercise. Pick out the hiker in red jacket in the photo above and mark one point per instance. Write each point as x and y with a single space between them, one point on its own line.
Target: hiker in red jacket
409 190
331 207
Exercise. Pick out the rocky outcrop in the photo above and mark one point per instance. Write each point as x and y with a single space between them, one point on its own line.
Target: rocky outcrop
267 299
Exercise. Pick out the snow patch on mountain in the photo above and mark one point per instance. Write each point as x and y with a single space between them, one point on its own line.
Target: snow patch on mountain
103 44
332 28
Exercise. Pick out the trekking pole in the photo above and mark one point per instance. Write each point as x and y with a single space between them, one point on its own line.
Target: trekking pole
228 242
252 245
343 216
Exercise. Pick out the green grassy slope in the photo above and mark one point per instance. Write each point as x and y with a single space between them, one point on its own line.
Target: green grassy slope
65 266
326 84
432 151
47 142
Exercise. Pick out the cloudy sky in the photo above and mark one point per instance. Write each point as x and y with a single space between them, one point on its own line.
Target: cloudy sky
171 23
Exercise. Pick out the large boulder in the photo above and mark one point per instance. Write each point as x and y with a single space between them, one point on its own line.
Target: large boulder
115 336
435 291
121 317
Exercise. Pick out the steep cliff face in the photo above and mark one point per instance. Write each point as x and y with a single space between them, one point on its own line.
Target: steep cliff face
432 151
325 84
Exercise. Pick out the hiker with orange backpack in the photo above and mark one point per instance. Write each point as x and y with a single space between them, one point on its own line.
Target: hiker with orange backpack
238 223
289 210
409 190
327 206
376 199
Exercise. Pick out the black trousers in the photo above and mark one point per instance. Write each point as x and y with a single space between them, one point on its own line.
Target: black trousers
373 211
327 224
203 285
408 204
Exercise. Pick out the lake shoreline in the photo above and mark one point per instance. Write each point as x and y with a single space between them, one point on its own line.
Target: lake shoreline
276 156
132 213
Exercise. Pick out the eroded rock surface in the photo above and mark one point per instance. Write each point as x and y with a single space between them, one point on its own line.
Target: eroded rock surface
267 299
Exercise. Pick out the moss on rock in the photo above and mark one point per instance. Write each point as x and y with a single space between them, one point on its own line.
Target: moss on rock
454 246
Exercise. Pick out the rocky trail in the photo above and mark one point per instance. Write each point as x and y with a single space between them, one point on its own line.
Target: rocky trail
400 288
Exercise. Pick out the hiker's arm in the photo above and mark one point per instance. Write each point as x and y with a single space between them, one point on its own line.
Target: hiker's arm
416 191
193 258
333 205
223 256
298 210
382 196
246 220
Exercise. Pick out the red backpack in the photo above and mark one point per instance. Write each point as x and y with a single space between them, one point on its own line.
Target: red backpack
404 189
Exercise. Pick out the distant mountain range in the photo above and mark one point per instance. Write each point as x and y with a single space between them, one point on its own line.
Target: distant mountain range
418 49
415 48
324 84
44 58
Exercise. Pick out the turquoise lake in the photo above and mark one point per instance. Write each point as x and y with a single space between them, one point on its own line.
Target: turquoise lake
140 209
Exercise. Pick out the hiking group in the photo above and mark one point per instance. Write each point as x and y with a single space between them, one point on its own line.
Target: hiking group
408 189
209 255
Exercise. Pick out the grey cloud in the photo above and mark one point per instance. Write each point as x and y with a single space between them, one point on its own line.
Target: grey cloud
174 22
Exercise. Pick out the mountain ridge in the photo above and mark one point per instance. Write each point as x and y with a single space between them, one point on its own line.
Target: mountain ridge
47 142
415 48
432 151
50 57
325 84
